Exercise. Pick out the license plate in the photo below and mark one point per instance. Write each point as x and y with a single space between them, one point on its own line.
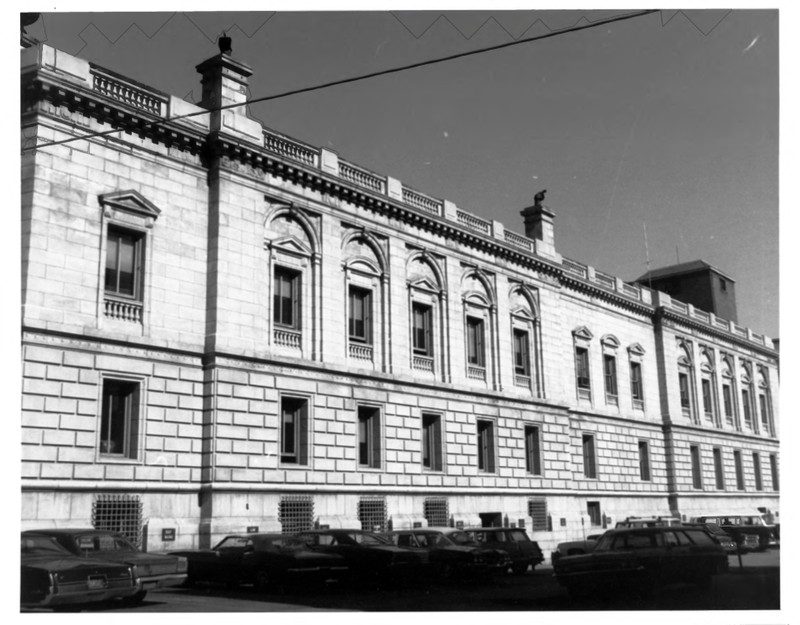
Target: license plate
97 582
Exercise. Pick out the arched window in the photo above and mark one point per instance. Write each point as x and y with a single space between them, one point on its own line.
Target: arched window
526 340
582 340
479 333
365 284
686 379
610 345
746 380
729 392
292 246
708 386
427 304
765 402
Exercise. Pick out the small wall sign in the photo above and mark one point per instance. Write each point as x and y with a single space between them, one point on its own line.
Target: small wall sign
167 534
252 529
460 525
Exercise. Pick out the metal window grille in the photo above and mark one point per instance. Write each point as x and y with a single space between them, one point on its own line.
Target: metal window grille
537 510
119 513
436 511
372 514
296 513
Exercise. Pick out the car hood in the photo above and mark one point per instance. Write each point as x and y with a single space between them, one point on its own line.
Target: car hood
68 563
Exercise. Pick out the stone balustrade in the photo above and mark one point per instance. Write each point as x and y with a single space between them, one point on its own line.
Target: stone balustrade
123 310
127 93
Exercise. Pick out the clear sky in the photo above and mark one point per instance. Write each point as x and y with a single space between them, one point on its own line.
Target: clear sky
667 121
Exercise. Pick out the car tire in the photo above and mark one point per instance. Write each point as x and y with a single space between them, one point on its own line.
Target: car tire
137 598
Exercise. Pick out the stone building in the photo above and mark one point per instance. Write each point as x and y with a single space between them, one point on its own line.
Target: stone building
224 328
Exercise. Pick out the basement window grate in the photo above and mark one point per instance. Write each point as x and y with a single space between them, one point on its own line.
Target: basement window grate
436 511
537 510
119 513
296 513
372 514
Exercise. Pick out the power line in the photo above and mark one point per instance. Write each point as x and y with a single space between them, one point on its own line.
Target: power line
353 79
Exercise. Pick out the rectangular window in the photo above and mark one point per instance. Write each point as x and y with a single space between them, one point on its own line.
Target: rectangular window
533 454
737 462
121 513
707 403
422 329
359 315
773 466
644 461
757 471
369 437
432 442
124 254
119 422
727 399
697 475
610 375
593 510
286 298
748 417
637 391
762 404
719 476
521 359
486 446
475 344
294 430
589 460
372 514
582 368
683 382
296 513
436 511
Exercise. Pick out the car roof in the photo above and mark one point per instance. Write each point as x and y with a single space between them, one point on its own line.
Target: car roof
648 530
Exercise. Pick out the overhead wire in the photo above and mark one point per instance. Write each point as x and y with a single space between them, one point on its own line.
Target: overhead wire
352 79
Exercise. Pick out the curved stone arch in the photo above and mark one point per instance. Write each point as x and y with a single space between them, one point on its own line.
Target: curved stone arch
707 360
762 379
727 368
524 292
487 296
369 240
427 259
293 214
685 353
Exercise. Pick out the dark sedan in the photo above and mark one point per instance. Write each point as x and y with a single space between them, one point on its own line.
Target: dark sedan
369 556
267 561
642 559
523 551
451 553
52 577
150 570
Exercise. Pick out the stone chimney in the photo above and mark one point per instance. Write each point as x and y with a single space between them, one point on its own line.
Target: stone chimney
539 224
225 83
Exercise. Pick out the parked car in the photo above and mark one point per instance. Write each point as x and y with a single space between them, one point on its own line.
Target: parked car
150 570
720 536
739 525
523 551
52 577
451 553
266 561
642 559
575 547
368 555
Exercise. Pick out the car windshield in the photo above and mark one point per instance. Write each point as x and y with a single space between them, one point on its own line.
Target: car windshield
367 539
234 542
41 545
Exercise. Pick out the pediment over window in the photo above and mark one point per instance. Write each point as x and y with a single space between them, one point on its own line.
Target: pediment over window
424 284
636 350
363 265
129 201
609 340
522 312
583 333
290 245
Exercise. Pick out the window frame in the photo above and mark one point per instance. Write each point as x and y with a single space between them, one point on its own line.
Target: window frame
645 474
697 467
610 379
739 470
719 471
532 434
595 514
370 446
139 239
590 468
432 440
475 341
757 476
354 292
301 431
426 314
521 342
135 419
773 467
485 445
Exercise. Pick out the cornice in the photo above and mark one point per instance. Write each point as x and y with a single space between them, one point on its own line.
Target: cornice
597 291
